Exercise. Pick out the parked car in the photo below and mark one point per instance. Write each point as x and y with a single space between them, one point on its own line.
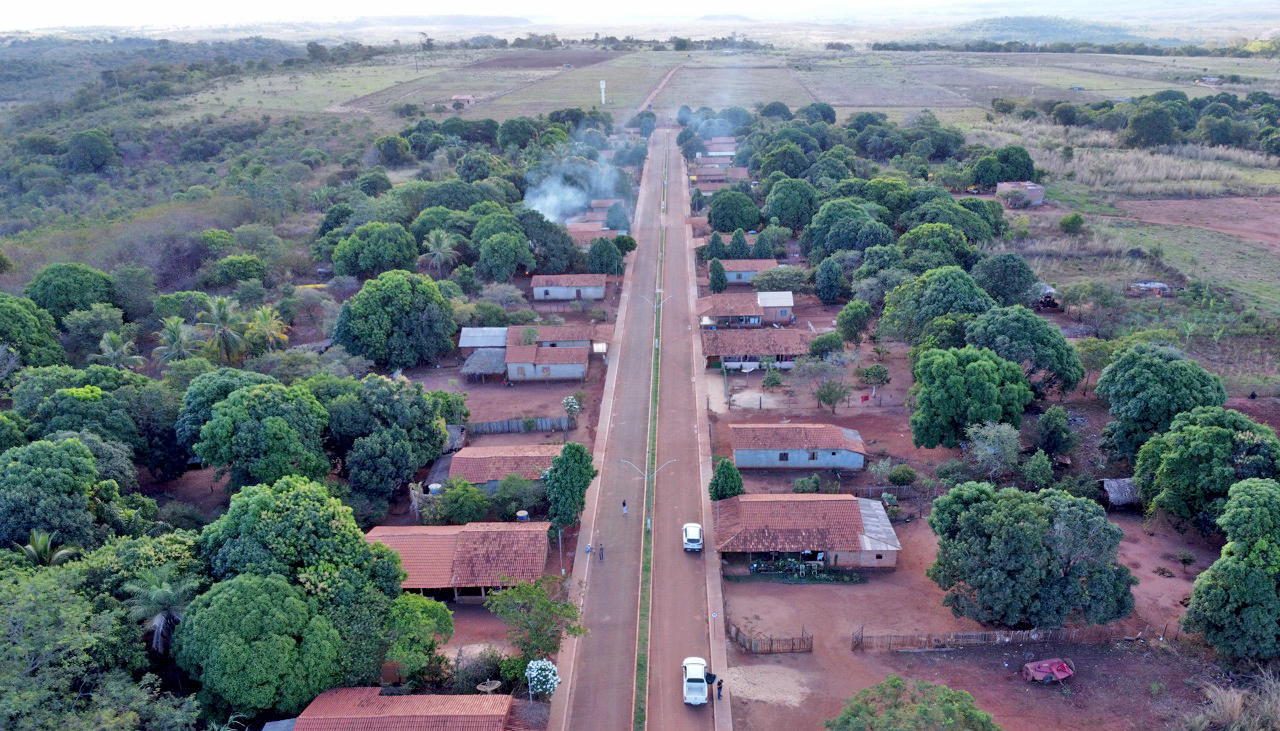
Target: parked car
692 533
696 688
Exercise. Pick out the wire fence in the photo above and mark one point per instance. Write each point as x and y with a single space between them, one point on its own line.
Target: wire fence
531 424
932 640
765 645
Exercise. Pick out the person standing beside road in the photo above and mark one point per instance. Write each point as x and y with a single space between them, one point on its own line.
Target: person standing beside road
588 551
601 552
719 688
624 508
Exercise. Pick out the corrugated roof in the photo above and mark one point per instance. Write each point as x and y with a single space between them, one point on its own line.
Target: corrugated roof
465 556
539 356
788 523
729 305
482 337
877 531
482 464
765 341
775 299
365 709
795 436
748 265
549 334
569 280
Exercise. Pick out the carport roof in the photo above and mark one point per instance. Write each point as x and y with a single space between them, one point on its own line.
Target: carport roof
466 556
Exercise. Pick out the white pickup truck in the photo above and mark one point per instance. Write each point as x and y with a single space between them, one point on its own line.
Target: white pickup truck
696 689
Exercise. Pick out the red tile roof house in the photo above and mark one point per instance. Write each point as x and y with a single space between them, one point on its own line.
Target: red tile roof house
366 709
743 349
845 530
486 466
569 286
746 309
797 447
742 271
551 336
584 232
466 559
533 363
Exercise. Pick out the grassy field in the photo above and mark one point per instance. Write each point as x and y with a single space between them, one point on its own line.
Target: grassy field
629 79
724 86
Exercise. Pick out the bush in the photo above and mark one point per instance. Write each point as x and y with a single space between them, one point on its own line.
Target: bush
902 475
181 515
474 670
1071 224
806 484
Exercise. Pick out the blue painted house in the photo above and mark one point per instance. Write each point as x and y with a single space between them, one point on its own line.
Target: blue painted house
797 447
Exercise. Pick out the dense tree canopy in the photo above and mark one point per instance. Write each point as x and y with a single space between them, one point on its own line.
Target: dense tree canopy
204 392
896 705
1188 470
958 387
537 616
1019 335
726 481
944 291
48 486
256 644
373 249
1023 559
567 479
1145 387
732 210
604 257
29 330
1006 277
61 288
502 254
398 320
262 433
792 202
1236 601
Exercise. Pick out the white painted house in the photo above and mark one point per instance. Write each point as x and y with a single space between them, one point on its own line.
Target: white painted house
569 286
534 363
742 271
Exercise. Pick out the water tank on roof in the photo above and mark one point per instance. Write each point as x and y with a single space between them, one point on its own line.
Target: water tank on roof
522 516
435 488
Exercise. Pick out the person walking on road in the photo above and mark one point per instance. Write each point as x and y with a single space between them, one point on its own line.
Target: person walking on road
719 688
601 553
624 508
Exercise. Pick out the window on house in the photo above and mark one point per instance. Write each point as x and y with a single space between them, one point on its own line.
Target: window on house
783 457
546 370
833 454
879 556
813 456
782 312
546 293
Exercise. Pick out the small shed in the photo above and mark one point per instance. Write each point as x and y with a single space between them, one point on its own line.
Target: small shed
1120 493
1034 192
485 362
1147 289
470 338
465 100
569 286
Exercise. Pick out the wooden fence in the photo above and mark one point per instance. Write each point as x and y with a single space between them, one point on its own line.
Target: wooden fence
510 426
764 645
930 640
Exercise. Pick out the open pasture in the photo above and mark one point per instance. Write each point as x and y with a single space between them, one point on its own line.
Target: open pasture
723 86
628 78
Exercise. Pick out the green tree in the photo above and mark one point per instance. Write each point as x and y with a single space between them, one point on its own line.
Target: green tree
393 150
440 250
223 328
40 550
256 645
177 341
1054 434
829 282
718 282
134 288
604 257
786 158
567 479
158 597
730 210
1145 387
944 291
29 330
262 433
381 462
939 238
88 408
1038 470
417 626
738 247
112 460
1151 125
893 705
90 151
793 202
83 330
538 615
1188 470
958 387
377 403
265 331
48 486
116 352
462 504
155 407
992 448
1006 277
398 320
832 393
726 481
13 430
1015 558
1019 335
715 248
853 320
1235 603
61 288
826 344
502 254
205 391
373 249
616 218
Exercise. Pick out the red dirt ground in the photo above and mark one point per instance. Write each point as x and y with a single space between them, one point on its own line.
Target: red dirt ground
545 59
196 487
1257 219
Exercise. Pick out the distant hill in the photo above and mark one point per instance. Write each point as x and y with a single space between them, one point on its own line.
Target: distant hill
1038 29
725 19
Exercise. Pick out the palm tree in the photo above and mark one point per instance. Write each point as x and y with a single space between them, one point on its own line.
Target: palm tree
223 326
177 340
266 331
160 600
440 249
117 352
40 550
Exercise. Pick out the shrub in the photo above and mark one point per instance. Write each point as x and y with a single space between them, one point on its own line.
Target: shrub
808 484
902 475
1071 224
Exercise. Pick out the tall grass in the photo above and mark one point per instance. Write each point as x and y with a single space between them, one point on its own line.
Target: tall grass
1256 708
